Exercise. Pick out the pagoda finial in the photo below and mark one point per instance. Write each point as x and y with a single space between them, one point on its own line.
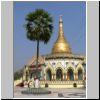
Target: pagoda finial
60 18
61 26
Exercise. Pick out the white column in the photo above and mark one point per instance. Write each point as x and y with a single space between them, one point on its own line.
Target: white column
23 77
63 76
83 76
52 76
74 75
55 77
45 77
66 76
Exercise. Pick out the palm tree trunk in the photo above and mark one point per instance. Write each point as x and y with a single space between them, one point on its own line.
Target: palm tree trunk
37 72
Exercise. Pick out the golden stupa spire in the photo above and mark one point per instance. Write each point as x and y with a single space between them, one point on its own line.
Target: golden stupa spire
61 45
61 26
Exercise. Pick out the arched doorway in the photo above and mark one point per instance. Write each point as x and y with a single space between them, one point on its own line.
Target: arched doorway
48 75
59 75
80 74
70 75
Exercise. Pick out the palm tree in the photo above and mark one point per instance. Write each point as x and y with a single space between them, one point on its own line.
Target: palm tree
39 28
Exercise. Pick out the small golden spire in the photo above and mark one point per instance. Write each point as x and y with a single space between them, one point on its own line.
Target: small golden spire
60 18
61 26
61 45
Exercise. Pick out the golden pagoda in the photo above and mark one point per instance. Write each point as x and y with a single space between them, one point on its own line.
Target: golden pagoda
61 45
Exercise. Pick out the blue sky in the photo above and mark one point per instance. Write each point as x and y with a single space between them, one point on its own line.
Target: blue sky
74 22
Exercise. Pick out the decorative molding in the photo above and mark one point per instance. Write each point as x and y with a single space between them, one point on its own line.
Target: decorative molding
49 66
70 66
79 66
59 66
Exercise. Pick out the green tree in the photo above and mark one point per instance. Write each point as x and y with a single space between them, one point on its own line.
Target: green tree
39 28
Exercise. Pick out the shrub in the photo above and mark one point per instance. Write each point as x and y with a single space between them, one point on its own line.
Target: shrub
46 85
74 85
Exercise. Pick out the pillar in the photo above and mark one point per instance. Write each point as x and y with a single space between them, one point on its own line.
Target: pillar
63 77
76 76
44 77
55 77
24 77
67 77
84 76
52 77
27 75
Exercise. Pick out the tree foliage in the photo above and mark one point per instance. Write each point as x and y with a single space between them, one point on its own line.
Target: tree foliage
39 25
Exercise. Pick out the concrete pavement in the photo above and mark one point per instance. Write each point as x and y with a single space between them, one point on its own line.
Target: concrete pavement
56 93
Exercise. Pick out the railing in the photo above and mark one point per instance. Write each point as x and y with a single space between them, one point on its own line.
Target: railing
61 82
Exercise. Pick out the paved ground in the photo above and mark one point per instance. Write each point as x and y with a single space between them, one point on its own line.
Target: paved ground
56 93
